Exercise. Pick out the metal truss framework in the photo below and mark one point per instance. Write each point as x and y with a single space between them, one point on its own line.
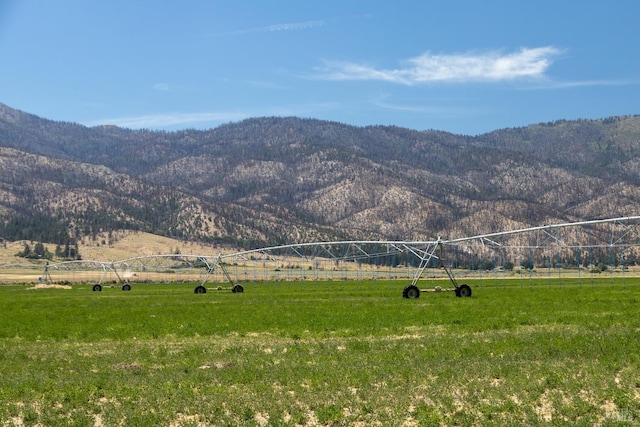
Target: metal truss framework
613 241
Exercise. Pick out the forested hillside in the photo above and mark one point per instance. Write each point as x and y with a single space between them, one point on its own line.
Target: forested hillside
276 180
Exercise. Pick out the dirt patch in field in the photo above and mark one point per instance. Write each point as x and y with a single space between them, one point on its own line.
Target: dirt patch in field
217 365
49 287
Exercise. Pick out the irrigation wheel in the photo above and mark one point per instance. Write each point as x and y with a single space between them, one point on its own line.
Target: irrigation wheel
463 290
411 292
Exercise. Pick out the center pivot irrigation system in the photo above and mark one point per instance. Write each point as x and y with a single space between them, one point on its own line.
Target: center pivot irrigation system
610 244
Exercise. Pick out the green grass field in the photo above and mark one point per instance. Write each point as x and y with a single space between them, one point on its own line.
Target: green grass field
337 353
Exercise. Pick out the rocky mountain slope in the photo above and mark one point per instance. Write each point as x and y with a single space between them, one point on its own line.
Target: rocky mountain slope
276 180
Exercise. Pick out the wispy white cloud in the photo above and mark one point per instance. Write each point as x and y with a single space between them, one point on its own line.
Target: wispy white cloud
433 110
159 121
210 119
548 84
437 108
292 26
491 66
161 87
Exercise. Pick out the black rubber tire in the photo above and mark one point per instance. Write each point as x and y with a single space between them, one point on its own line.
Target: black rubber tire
126 287
411 292
200 290
237 289
97 288
464 290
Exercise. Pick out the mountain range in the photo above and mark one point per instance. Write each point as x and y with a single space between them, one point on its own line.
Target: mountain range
275 180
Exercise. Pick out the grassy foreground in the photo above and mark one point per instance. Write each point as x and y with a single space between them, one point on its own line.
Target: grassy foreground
321 354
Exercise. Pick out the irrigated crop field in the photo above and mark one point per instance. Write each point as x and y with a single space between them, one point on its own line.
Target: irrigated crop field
333 353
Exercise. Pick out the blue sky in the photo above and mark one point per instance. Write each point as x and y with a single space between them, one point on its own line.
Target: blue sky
466 67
